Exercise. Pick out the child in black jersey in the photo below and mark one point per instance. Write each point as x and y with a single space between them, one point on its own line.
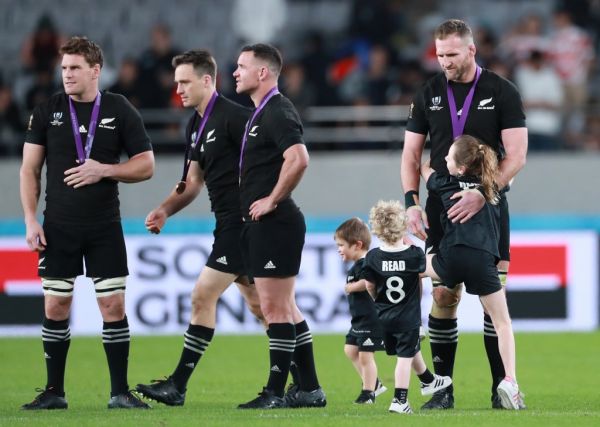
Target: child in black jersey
468 251
392 278
365 335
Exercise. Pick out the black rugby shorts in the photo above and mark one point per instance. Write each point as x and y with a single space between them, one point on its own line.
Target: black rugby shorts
476 268
226 254
366 343
272 246
434 209
402 344
100 246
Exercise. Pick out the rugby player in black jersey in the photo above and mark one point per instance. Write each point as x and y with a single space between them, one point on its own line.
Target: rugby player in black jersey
80 135
365 336
272 161
213 137
463 98
468 252
392 274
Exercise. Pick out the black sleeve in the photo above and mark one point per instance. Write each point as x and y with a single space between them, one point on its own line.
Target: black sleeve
284 126
134 138
367 272
417 120
433 184
512 113
37 126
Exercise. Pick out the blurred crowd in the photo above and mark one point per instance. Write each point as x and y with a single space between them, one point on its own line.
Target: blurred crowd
381 58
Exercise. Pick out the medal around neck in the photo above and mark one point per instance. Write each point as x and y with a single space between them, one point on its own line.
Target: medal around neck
180 187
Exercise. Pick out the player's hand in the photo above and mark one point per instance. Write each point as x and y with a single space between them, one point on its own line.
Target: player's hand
90 172
261 207
155 221
35 237
417 221
348 288
471 201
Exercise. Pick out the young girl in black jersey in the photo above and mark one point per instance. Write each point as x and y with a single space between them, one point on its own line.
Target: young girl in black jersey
392 278
468 252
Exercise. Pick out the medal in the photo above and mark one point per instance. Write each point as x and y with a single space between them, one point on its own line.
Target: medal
83 153
180 187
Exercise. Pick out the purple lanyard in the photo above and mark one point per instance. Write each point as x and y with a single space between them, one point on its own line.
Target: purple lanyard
458 122
81 155
192 146
270 94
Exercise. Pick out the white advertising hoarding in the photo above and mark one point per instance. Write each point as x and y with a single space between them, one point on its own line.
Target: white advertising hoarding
553 285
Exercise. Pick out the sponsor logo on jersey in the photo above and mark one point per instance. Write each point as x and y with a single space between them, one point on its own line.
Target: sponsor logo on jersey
435 103
190 365
40 266
30 122
393 265
82 129
57 115
368 343
222 260
350 279
270 265
467 185
275 368
483 104
210 137
106 123
253 131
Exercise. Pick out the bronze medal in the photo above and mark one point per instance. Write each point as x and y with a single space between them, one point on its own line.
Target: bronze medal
180 187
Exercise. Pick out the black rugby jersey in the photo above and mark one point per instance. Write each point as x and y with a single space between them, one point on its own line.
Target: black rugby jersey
496 106
396 278
479 232
218 153
362 307
273 131
120 128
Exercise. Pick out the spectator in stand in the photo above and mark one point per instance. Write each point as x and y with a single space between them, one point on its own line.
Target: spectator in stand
11 123
525 37
295 86
127 83
572 54
40 50
42 89
542 94
156 73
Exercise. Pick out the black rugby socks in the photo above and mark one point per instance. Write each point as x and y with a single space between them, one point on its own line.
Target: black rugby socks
115 337
196 340
304 358
443 339
282 340
56 339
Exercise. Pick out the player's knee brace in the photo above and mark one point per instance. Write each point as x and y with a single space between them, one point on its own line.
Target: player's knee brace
445 297
58 287
111 286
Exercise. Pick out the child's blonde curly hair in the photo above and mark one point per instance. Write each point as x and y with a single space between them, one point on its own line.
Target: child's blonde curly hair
388 221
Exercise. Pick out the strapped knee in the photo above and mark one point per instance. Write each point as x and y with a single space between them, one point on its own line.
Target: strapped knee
58 287
111 286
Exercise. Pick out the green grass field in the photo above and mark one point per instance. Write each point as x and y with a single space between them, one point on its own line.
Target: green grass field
558 373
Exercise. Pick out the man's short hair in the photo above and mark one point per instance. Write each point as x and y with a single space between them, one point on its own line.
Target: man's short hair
90 51
354 230
202 61
268 53
451 27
